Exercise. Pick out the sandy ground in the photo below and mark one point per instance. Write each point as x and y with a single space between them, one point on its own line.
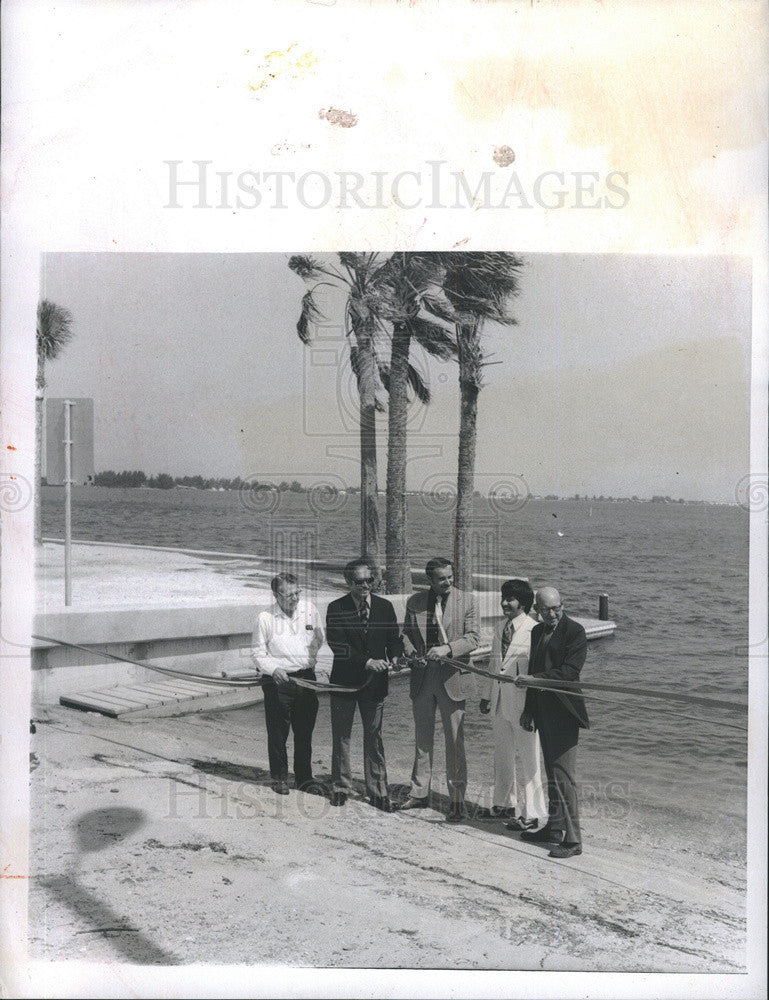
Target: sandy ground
159 841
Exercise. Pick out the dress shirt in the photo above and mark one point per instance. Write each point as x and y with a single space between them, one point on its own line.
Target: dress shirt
436 634
289 644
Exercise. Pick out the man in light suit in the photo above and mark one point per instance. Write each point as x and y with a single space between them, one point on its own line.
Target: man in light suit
558 651
440 622
523 805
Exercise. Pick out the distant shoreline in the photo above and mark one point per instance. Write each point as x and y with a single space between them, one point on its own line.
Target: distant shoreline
548 498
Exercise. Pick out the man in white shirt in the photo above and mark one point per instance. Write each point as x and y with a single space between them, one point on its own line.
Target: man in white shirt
286 641
523 804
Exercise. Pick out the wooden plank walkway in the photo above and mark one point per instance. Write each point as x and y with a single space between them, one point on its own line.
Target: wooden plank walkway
174 696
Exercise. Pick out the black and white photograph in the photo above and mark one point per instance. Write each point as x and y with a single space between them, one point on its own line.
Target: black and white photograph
301 483
384 499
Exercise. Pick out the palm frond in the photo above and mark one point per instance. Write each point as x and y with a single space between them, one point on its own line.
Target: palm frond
309 317
434 339
418 385
482 283
54 329
305 266
440 307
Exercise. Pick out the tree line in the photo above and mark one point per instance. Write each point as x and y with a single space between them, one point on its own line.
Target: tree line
164 481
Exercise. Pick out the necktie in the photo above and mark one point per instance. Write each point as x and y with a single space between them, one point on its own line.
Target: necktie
507 635
363 614
440 605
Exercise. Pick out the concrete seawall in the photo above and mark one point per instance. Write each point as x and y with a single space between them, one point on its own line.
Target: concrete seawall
151 604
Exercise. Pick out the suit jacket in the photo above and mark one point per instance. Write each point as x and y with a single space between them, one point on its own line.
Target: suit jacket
461 624
560 660
516 661
352 645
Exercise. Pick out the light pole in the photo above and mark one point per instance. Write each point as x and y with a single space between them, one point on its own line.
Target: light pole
68 404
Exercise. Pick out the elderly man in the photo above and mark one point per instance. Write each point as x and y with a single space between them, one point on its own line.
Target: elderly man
440 623
558 650
362 631
286 641
522 803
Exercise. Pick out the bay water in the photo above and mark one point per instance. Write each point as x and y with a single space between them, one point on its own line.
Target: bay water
677 580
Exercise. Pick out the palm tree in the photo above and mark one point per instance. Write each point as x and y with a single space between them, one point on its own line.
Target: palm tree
54 331
363 278
478 287
410 277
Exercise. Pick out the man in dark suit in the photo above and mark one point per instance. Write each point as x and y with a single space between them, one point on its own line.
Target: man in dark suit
558 650
441 622
362 631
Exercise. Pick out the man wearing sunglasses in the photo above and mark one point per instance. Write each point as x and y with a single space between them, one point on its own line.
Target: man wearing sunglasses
362 631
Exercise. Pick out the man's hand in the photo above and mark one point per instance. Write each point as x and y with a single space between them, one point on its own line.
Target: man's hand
377 666
485 706
281 678
527 722
520 681
437 652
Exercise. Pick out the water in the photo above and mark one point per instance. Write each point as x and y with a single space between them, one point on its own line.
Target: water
677 579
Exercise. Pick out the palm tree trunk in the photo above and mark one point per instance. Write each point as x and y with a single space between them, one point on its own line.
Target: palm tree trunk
369 515
38 506
468 426
398 573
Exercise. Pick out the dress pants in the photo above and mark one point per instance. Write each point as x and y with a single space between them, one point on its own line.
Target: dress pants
558 733
527 797
342 717
433 696
288 708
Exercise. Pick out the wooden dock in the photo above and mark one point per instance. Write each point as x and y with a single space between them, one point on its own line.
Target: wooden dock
175 696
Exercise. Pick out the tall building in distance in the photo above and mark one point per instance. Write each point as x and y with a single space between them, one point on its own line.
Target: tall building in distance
81 427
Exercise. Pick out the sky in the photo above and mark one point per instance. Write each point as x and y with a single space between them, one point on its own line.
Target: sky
626 375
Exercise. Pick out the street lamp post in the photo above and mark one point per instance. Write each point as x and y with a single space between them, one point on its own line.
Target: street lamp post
68 404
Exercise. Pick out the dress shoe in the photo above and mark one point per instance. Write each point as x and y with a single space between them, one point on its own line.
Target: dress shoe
456 813
280 787
338 798
565 850
522 825
413 803
382 802
547 835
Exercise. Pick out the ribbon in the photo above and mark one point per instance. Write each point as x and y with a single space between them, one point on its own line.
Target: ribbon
251 680
331 688
168 671
576 687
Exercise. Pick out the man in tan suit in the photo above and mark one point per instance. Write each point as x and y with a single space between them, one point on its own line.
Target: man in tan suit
440 622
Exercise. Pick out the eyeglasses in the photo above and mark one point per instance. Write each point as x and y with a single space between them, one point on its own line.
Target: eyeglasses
366 579
546 611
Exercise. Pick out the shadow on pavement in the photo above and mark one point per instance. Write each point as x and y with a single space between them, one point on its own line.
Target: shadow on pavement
94 831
